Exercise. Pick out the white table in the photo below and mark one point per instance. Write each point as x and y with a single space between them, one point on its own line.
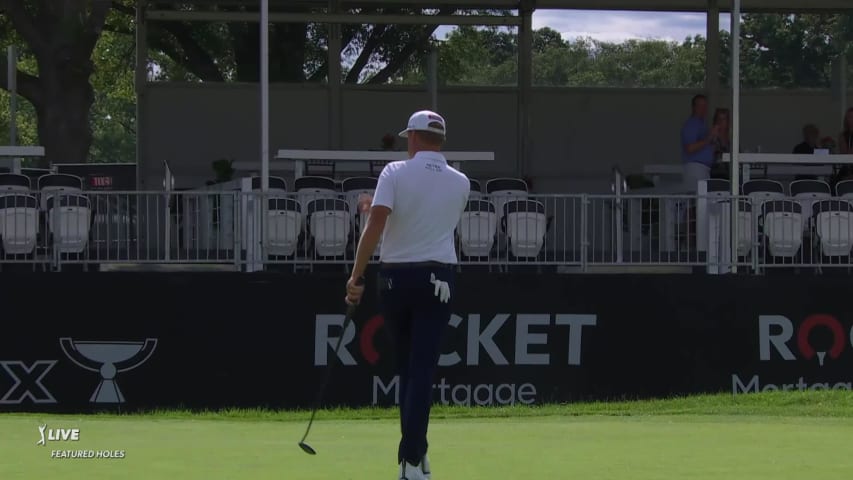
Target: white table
350 161
791 164
11 152
10 156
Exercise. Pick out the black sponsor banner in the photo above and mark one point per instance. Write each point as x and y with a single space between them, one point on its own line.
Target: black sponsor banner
82 342
103 176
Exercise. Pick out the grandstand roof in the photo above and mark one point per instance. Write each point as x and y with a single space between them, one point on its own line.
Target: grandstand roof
648 5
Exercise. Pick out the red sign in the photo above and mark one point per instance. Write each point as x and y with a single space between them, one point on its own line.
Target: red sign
101 182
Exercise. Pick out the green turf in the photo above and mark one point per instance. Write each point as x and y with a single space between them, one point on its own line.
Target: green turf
767 436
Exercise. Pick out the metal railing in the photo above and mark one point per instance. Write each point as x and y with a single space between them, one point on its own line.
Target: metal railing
254 231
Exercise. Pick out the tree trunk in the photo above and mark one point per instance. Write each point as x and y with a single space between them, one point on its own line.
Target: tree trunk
63 114
247 39
287 52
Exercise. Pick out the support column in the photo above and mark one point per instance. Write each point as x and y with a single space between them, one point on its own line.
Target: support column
712 52
140 84
432 78
334 79
265 95
735 164
842 80
525 83
12 63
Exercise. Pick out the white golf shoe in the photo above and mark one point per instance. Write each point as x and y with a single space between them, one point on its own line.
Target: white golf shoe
410 472
425 468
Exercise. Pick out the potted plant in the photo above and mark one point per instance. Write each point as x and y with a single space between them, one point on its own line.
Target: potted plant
223 170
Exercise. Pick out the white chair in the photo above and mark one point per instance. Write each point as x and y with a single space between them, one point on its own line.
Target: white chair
284 225
760 191
13 182
719 230
806 193
718 187
477 228
19 223
745 229
844 189
69 218
476 190
275 184
309 189
526 225
56 183
782 225
329 223
834 226
502 190
315 188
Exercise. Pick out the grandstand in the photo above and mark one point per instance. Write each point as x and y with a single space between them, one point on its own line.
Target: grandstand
295 208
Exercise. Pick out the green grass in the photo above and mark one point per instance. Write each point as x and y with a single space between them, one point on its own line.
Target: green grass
768 436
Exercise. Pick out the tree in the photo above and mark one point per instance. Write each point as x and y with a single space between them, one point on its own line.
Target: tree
61 37
298 52
488 56
778 51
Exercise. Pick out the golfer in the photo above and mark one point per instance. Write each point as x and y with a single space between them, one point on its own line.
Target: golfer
415 209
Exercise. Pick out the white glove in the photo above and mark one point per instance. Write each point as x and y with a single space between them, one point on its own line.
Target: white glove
442 289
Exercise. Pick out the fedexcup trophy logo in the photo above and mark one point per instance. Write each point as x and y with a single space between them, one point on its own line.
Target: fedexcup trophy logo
108 358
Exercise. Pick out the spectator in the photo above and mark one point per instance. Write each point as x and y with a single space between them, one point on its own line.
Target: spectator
723 142
698 143
811 139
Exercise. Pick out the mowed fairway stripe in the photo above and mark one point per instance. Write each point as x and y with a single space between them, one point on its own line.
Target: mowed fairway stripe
619 448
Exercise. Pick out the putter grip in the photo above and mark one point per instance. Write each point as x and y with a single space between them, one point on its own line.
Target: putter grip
351 308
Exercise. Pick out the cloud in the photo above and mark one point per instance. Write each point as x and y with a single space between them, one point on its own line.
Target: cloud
617 26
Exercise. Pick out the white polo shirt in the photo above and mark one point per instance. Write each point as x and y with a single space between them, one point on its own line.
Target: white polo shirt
426 197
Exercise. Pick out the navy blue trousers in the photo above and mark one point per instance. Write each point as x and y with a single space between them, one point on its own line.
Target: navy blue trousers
418 321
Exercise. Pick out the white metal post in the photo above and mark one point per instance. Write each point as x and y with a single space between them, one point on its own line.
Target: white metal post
433 79
334 78
735 165
13 95
141 85
265 95
168 185
259 214
842 80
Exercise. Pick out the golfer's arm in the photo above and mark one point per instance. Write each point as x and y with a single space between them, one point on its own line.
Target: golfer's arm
370 238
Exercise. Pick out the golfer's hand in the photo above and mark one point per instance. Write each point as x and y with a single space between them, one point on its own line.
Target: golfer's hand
364 203
354 292
442 289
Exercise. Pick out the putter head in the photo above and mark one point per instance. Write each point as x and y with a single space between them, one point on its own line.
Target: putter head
307 448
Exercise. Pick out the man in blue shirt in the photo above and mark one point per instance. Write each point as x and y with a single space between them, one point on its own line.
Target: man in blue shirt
697 144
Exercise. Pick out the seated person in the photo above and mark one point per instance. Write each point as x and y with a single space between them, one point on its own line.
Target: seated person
810 142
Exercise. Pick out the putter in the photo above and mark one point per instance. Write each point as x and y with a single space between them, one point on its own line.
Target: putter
350 312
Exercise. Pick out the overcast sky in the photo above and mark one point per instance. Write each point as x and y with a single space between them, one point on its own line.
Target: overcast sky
619 26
